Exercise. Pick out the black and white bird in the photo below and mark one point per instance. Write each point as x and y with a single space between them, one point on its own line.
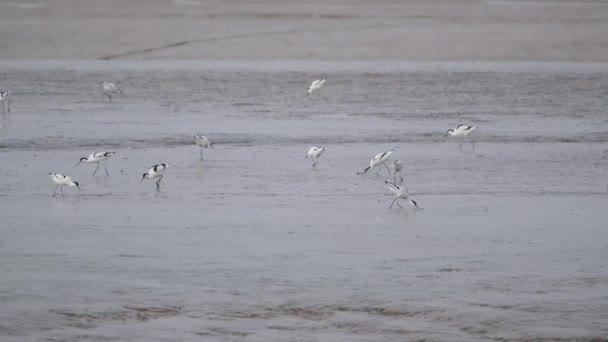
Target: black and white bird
397 167
202 142
110 89
314 153
155 171
378 160
5 96
98 158
462 131
400 193
61 180
315 85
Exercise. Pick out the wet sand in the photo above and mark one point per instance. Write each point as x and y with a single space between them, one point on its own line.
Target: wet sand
254 245
419 30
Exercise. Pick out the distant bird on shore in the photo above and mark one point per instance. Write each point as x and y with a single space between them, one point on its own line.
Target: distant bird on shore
397 168
314 153
400 193
61 180
315 85
98 158
378 160
110 89
462 131
5 96
155 171
202 142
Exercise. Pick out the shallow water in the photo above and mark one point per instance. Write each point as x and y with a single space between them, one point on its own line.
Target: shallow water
254 245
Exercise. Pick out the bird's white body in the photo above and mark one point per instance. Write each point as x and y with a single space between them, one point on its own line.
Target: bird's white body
315 85
61 180
461 131
202 142
155 171
400 193
110 89
378 160
98 158
397 167
314 153
5 96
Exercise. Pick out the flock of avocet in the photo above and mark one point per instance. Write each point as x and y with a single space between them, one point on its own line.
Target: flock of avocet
314 153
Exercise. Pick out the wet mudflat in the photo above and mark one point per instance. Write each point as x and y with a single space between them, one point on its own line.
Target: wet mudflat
252 244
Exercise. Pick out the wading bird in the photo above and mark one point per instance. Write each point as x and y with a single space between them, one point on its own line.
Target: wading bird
377 160
315 85
155 171
400 193
61 180
397 168
5 96
202 142
314 153
109 89
98 158
462 131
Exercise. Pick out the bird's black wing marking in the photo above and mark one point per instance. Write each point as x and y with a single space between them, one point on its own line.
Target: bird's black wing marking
392 185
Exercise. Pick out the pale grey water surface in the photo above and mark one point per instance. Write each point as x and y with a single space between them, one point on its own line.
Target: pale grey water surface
254 245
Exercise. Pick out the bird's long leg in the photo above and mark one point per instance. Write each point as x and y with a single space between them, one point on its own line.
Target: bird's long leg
393 203
395 177
158 183
61 188
472 144
201 153
94 172
2 107
55 192
399 204
8 105
314 161
387 169
104 167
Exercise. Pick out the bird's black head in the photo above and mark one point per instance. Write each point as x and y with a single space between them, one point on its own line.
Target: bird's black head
448 132
77 185
143 177
83 159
